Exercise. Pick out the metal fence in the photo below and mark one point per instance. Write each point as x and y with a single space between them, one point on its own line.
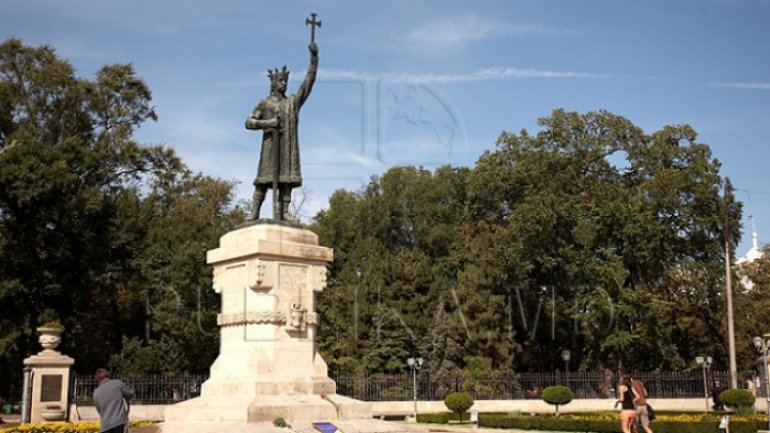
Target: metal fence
167 388
148 389
513 386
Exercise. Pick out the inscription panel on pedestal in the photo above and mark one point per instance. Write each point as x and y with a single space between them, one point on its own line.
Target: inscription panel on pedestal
293 285
50 387
294 296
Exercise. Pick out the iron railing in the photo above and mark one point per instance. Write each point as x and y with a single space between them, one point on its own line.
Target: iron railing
171 388
529 385
148 389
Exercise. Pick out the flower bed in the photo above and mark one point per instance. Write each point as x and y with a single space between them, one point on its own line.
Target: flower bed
66 427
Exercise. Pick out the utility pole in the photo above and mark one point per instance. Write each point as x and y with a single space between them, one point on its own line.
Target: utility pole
729 285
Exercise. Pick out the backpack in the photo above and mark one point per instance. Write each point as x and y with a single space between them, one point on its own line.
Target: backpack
650 413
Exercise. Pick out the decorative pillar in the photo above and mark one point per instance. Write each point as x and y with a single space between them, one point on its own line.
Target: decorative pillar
50 377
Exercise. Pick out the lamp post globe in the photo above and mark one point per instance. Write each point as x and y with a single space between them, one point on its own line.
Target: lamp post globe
705 363
415 364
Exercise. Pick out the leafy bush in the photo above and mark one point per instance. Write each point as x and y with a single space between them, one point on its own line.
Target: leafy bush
434 418
608 422
739 399
55 324
458 402
557 395
280 422
478 370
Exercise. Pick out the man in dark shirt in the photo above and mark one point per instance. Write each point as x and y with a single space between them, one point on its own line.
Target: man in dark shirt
715 391
111 399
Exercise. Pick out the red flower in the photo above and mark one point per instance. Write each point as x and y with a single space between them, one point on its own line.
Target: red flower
324 396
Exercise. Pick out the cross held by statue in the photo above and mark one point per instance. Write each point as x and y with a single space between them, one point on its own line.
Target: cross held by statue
313 23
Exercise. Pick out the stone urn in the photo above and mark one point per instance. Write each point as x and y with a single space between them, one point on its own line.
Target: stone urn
49 337
52 413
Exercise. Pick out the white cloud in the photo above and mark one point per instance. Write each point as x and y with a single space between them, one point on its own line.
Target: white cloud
488 74
749 85
456 31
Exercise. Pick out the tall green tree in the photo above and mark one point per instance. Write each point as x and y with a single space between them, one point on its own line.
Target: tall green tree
752 301
589 235
93 223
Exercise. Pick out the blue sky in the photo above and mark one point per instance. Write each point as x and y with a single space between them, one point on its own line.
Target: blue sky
427 82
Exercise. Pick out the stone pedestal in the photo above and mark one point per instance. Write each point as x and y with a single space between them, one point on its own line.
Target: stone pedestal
268 366
50 378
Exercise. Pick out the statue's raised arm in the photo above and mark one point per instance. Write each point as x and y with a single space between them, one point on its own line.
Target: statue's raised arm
307 86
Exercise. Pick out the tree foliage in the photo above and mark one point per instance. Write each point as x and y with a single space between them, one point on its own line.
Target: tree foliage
589 235
94 226
741 400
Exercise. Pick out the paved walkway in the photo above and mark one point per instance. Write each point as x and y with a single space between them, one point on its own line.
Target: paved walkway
469 428
432 428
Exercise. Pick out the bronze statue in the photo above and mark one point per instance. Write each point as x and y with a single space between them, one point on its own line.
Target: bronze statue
278 116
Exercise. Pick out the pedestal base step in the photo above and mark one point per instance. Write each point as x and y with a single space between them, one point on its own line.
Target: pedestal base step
354 426
267 408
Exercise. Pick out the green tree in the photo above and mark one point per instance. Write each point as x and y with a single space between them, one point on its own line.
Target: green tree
752 301
589 234
619 227
393 271
93 223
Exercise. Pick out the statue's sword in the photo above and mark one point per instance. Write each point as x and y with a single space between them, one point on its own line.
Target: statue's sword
277 214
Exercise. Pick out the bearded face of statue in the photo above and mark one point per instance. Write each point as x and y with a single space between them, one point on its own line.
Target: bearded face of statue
278 84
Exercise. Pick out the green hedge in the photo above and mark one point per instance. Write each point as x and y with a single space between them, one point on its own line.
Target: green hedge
526 422
436 418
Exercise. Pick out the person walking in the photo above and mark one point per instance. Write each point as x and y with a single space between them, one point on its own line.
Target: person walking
751 386
111 399
626 400
715 391
642 416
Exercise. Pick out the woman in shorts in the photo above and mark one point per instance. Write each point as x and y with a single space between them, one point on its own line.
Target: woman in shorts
626 402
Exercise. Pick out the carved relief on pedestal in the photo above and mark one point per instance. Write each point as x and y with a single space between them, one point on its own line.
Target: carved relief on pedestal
293 285
296 319
216 280
311 318
294 295
252 318
258 276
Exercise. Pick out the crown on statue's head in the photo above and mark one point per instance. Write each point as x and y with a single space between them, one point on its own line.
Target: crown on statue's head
278 73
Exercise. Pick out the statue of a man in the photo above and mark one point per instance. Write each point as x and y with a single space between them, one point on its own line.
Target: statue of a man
278 115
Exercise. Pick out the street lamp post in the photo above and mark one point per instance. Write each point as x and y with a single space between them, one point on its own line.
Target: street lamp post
705 363
762 347
565 355
359 272
414 364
